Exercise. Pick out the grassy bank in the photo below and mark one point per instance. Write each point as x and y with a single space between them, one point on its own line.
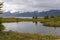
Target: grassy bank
18 19
52 22
10 35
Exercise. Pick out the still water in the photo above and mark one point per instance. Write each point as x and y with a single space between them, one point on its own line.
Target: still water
31 27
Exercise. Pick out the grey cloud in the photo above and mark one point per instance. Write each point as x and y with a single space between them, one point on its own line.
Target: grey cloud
35 4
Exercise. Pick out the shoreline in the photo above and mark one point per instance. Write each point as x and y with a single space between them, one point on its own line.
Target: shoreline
27 36
51 22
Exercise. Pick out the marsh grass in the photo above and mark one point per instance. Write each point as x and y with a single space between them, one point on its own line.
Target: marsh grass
10 35
52 22
18 19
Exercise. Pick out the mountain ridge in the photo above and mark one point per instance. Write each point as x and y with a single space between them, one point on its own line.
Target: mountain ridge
31 14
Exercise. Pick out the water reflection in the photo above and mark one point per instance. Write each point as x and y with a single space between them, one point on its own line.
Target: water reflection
35 22
31 27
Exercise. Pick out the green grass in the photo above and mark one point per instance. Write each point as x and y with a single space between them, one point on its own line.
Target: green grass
52 22
10 35
18 19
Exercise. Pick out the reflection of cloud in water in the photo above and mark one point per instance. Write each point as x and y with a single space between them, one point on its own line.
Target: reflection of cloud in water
31 28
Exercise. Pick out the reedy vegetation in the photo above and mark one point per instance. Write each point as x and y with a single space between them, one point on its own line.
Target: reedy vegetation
53 21
10 35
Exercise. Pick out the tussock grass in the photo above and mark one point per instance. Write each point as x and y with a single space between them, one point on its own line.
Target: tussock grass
10 35
18 19
52 22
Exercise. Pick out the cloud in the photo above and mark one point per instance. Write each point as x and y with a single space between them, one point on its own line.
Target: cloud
30 5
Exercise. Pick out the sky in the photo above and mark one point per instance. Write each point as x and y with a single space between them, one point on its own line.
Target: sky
30 5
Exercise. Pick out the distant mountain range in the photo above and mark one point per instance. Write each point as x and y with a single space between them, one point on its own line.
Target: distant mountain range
31 14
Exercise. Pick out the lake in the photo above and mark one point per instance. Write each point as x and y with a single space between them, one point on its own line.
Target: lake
31 27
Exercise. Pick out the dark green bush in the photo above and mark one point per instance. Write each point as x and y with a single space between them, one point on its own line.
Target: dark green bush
33 17
46 17
1 27
0 20
51 16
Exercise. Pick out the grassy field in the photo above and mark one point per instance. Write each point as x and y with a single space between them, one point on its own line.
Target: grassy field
18 19
10 35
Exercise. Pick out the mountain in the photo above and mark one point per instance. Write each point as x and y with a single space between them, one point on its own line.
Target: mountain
5 14
31 14
39 14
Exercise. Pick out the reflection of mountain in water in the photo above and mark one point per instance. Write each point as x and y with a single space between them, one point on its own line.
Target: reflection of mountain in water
30 14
